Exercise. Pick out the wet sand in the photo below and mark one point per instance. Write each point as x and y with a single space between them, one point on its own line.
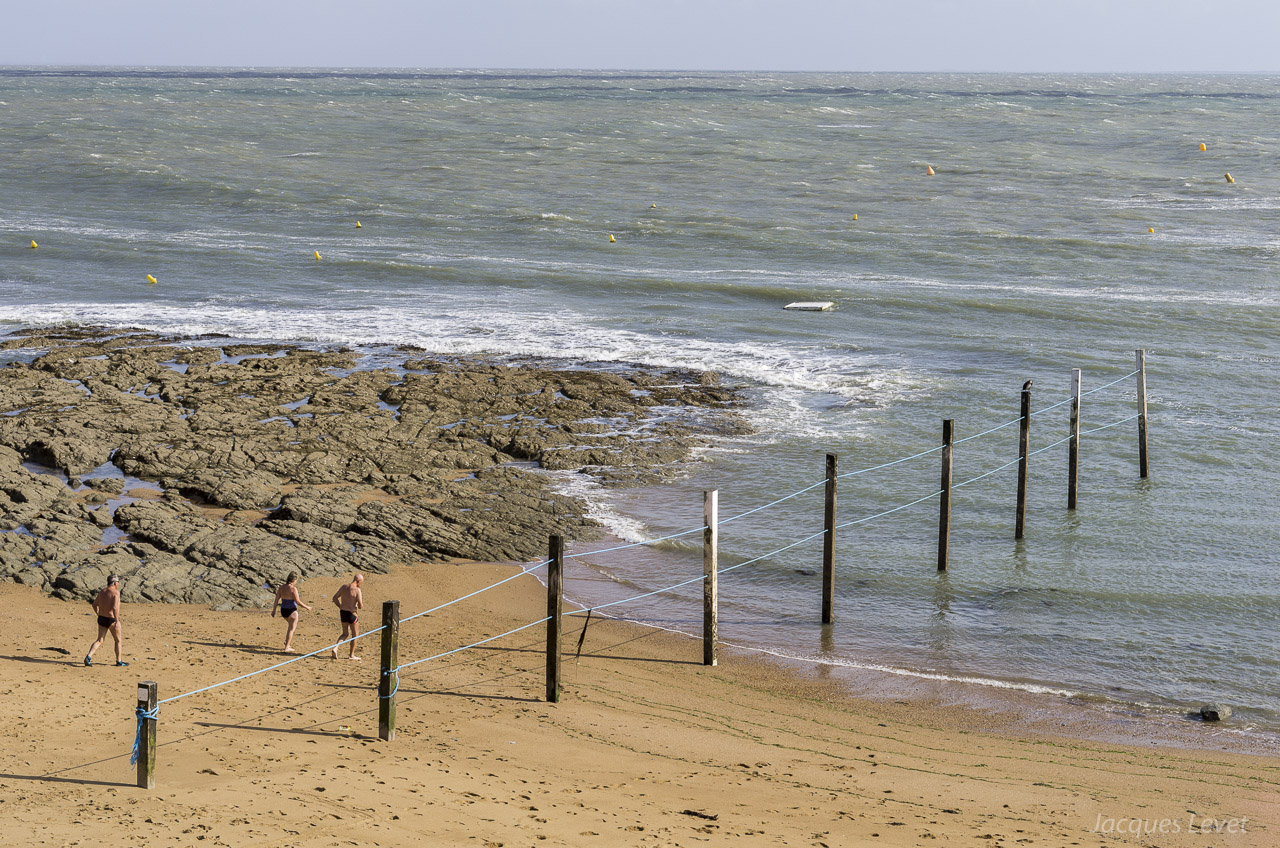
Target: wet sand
646 747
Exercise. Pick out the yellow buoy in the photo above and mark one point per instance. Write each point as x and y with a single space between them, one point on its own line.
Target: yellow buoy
855 216
151 281
1202 147
1151 229
611 238
928 170
1230 178
33 244
359 225
317 256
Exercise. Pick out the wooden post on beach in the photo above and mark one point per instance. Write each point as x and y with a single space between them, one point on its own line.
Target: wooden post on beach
829 544
148 696
389 683
944 502
1073 446
1141 356
1024 444
710 575
555 595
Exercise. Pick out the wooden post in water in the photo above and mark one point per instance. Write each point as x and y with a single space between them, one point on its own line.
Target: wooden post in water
148 696
389 682
944 503
829 545
710 575
1141 356
1073 446
1024 444
555 595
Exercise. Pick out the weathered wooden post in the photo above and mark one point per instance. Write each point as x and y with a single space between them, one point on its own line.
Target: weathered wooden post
148 696
1141 356
1024 444
944 503
555 595
1073 446
829 545
389 683
710 575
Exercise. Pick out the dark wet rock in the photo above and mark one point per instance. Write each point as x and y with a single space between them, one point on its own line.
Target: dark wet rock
270 458
1215 712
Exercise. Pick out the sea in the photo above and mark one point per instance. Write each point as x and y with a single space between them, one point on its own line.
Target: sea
665 219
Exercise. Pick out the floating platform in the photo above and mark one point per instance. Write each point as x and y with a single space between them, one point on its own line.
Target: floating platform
811 305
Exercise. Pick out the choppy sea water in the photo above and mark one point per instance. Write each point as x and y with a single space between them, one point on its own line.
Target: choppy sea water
1070 221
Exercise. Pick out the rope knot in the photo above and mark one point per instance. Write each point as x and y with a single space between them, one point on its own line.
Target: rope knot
143 714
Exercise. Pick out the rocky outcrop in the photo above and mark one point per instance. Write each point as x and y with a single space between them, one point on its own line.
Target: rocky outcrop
202 471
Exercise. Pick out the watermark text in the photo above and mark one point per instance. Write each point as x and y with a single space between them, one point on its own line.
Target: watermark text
1192 824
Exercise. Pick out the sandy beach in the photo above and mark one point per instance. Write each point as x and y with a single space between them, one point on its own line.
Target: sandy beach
646 747
203 472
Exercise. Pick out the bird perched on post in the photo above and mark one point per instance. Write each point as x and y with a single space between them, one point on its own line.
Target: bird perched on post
1026 387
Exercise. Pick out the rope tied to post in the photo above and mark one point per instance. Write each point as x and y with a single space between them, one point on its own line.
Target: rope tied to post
143 714
387 672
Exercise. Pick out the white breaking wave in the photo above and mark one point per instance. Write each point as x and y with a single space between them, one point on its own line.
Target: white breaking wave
800 381
1035 688
598 507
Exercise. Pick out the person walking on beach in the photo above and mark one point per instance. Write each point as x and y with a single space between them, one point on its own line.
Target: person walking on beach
288 600
348 600
107 606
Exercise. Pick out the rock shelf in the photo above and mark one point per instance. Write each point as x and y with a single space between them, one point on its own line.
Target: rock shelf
202 470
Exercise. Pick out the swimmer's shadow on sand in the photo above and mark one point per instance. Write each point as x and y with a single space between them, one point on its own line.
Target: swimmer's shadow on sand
407 692
303 731
48 660
571 654
246 649
50 779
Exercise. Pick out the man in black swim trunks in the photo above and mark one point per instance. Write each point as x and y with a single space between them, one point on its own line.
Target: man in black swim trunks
107 606
348 599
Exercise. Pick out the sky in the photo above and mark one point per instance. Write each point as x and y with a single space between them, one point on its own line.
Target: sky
767 35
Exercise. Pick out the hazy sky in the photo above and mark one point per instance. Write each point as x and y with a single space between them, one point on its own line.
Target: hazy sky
855 35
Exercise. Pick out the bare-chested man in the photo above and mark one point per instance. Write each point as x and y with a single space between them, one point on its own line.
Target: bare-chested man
107 606
348 599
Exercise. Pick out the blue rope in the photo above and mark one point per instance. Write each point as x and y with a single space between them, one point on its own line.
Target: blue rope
690 531
521 573
775 503
699 577
271 667
992 471
888 511
988 432
153 714
386 672
637 544
1052 406
887 464
476 644
345 641
808 538
1112 424
1112 383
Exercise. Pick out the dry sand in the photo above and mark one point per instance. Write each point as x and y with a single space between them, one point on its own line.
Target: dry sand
647 746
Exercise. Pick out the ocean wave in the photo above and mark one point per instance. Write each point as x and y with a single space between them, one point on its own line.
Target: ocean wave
994 683
802 382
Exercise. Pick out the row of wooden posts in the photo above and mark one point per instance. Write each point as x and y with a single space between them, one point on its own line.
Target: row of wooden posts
389 680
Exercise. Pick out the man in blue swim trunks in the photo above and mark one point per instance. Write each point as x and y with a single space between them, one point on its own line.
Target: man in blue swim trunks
107 606
348 600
